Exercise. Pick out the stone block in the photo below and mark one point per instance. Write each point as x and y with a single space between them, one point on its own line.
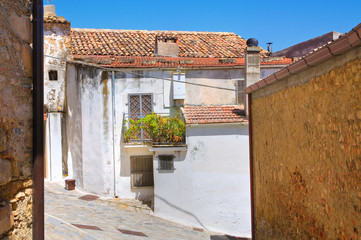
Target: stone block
5 172
6 218
21 26
3 140
26 53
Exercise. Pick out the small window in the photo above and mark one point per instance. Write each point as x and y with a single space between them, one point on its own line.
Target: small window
53 75
166 163
142 171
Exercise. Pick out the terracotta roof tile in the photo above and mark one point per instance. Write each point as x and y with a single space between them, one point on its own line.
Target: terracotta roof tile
214 114
344 43
135 48
142 43
170 62
54 19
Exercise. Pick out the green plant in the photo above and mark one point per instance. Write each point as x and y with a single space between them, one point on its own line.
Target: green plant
159 128
133 131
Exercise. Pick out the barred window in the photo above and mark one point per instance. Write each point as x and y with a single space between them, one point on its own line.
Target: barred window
166 163
140 105
142 171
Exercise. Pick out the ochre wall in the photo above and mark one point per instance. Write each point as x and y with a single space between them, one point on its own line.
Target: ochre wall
15 120
307 158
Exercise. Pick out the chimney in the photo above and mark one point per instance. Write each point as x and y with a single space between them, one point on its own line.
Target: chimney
166 46
253 69
253 64
49 10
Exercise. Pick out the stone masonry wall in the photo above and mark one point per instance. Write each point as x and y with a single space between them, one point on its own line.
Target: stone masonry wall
15 120
307 158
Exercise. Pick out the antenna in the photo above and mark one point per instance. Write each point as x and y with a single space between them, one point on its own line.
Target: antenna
50 2
269 47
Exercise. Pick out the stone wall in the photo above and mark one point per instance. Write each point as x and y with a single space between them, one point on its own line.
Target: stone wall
15 120
307 155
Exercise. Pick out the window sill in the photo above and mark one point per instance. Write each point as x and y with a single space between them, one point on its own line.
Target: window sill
137 188
168 149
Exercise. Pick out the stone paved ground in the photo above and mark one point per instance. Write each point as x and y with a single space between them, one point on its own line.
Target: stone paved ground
64 208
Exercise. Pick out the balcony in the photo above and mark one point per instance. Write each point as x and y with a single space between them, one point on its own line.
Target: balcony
154 129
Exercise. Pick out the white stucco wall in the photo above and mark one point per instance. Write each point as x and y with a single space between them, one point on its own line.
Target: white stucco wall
55 41
210 186
125 84
53 147
198 95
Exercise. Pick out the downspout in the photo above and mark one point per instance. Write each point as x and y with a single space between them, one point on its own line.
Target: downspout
114 125
38 119
251 163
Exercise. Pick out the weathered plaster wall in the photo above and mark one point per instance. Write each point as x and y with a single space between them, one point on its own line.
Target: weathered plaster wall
56 44
133 83
306 146
90 127
15 120
74 125
198 95
209 187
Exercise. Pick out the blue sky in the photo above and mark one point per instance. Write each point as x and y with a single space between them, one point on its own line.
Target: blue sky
282 22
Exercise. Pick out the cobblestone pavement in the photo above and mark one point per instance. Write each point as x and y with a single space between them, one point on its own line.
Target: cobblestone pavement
68 217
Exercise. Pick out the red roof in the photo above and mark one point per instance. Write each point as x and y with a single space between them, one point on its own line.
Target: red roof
214 114
135 49
100 42
343 44
170 62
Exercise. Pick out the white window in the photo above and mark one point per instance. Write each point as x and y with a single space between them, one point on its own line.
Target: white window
179 88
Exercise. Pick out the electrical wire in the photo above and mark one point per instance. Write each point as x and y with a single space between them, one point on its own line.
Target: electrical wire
141 75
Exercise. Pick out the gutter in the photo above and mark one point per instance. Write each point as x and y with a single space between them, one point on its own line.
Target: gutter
251 164
114 124
343 44
38 119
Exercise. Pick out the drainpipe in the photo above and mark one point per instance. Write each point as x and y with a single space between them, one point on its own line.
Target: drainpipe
38 119
251 163
114 125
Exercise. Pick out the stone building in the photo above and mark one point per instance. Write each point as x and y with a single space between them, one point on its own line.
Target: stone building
16 181
305 146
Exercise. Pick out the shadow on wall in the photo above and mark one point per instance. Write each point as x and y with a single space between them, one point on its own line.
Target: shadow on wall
182 210
226 237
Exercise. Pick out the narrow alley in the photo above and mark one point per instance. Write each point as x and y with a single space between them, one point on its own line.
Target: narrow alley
76 215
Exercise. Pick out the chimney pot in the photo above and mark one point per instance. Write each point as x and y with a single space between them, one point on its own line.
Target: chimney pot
252 42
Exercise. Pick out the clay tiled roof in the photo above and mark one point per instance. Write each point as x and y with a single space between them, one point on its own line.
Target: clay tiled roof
345 43
54 19
170 62
214 114
141 43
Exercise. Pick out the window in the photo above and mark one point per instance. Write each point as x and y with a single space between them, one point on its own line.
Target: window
53 75
141 171
166 163
140 105
179 88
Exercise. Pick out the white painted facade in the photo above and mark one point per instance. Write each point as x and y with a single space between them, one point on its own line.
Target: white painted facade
210 185
53 146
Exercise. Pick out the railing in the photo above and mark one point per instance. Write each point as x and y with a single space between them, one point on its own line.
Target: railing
141 134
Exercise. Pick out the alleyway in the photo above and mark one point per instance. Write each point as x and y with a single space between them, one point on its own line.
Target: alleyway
68 217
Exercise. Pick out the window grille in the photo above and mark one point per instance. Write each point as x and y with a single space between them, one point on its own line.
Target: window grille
140 105
166 163
142 171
